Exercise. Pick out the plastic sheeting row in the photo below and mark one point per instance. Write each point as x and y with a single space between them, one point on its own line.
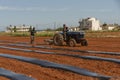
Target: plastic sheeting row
13 76
49 64
70 55
83 51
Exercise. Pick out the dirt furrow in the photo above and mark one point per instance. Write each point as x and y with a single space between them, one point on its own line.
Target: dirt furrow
102 67
95 44
38 72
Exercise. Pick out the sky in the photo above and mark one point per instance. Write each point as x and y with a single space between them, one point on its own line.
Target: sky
54 13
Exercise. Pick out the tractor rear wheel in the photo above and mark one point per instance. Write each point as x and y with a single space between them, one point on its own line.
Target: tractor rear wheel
72 43
58 39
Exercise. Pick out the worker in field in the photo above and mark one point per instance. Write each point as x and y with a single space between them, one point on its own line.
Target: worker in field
65 30
32 35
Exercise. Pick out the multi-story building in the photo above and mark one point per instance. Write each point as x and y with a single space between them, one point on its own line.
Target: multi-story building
90 24
20 28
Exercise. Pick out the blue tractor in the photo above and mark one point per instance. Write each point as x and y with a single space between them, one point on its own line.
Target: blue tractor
72 39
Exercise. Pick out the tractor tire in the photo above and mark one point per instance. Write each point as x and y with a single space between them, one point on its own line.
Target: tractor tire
72 43
84 43
58 39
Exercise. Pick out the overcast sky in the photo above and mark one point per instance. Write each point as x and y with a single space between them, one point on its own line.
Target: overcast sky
47 13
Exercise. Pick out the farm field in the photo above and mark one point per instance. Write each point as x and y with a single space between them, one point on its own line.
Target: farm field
104 45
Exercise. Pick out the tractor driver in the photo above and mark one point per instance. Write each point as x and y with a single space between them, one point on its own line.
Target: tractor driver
65 30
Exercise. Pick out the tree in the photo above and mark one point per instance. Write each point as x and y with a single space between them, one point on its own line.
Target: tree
10 28
48 29
115 24
105 24
15 29
59 29
30 28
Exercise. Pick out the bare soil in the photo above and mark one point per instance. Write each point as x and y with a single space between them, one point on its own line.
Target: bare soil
3 78
41 73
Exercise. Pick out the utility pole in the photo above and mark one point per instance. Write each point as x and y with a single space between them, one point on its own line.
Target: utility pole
54 25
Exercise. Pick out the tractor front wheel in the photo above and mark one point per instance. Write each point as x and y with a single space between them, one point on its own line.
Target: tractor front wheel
72 43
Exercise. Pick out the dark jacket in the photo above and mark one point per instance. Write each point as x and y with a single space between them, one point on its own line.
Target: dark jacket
32 32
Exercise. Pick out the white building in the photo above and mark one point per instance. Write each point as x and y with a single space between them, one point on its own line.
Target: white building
90 24
20 28
111 27
74 29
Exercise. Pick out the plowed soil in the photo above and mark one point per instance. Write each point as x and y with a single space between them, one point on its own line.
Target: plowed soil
41 73
3 78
